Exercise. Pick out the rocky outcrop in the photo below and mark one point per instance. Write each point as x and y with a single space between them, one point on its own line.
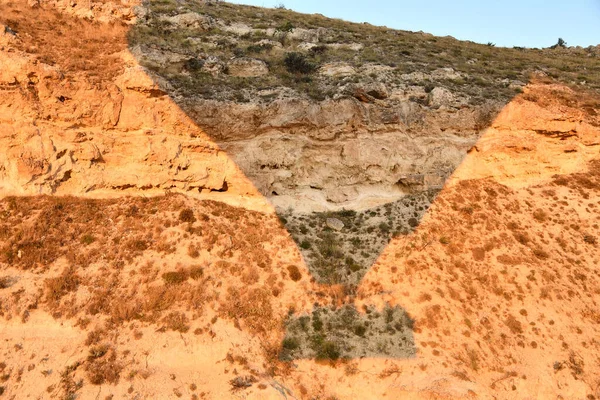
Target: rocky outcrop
337 70
247 67
62 134
340 153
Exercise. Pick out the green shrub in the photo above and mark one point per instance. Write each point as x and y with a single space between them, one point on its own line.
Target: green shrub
360 330
297 63
291 343
317 324
328 350
285 27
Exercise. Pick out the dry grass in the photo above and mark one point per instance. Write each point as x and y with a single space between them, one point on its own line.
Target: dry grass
102 365
59 286
485 67
515 264
36 232
72 44
137 271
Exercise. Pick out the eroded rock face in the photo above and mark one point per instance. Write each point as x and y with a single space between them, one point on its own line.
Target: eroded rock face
65 134
340 153
377 135
62 134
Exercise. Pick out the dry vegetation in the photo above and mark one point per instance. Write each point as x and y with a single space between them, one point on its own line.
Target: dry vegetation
487 70
515 272
39 233
331 334
493 274
118 262
344 255
82 46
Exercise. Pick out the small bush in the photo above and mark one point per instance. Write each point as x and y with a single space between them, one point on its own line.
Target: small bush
297 63
193 64
57 287
589 239
95 336
328 350
360 330
560 43
175 277
291 343
285 27
320 49
193 251
514 325
259 48
187 215
317 324
102 365
295 273
87 239
138 245
177 321
305 244
540 253
196 272
6 282
540 215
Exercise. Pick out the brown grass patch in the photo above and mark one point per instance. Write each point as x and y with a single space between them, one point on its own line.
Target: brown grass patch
72 44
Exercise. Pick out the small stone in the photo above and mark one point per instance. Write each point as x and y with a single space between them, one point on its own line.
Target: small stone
247 67
213 65
377 90
191 20
440 96
335 223
337 69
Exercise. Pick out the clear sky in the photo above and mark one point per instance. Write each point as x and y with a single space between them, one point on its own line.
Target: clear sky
526 23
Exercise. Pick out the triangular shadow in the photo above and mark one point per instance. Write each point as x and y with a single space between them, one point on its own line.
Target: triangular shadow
339 243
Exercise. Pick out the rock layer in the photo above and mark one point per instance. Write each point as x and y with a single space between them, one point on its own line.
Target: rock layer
65 133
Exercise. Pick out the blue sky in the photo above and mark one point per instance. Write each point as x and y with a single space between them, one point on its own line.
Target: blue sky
527 23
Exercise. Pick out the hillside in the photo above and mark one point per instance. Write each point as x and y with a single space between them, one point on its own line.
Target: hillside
206 200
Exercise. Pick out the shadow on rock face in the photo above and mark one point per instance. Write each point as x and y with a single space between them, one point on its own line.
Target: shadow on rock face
349 141
339 247
345 333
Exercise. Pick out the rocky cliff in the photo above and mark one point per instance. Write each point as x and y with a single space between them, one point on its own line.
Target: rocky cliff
90 121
